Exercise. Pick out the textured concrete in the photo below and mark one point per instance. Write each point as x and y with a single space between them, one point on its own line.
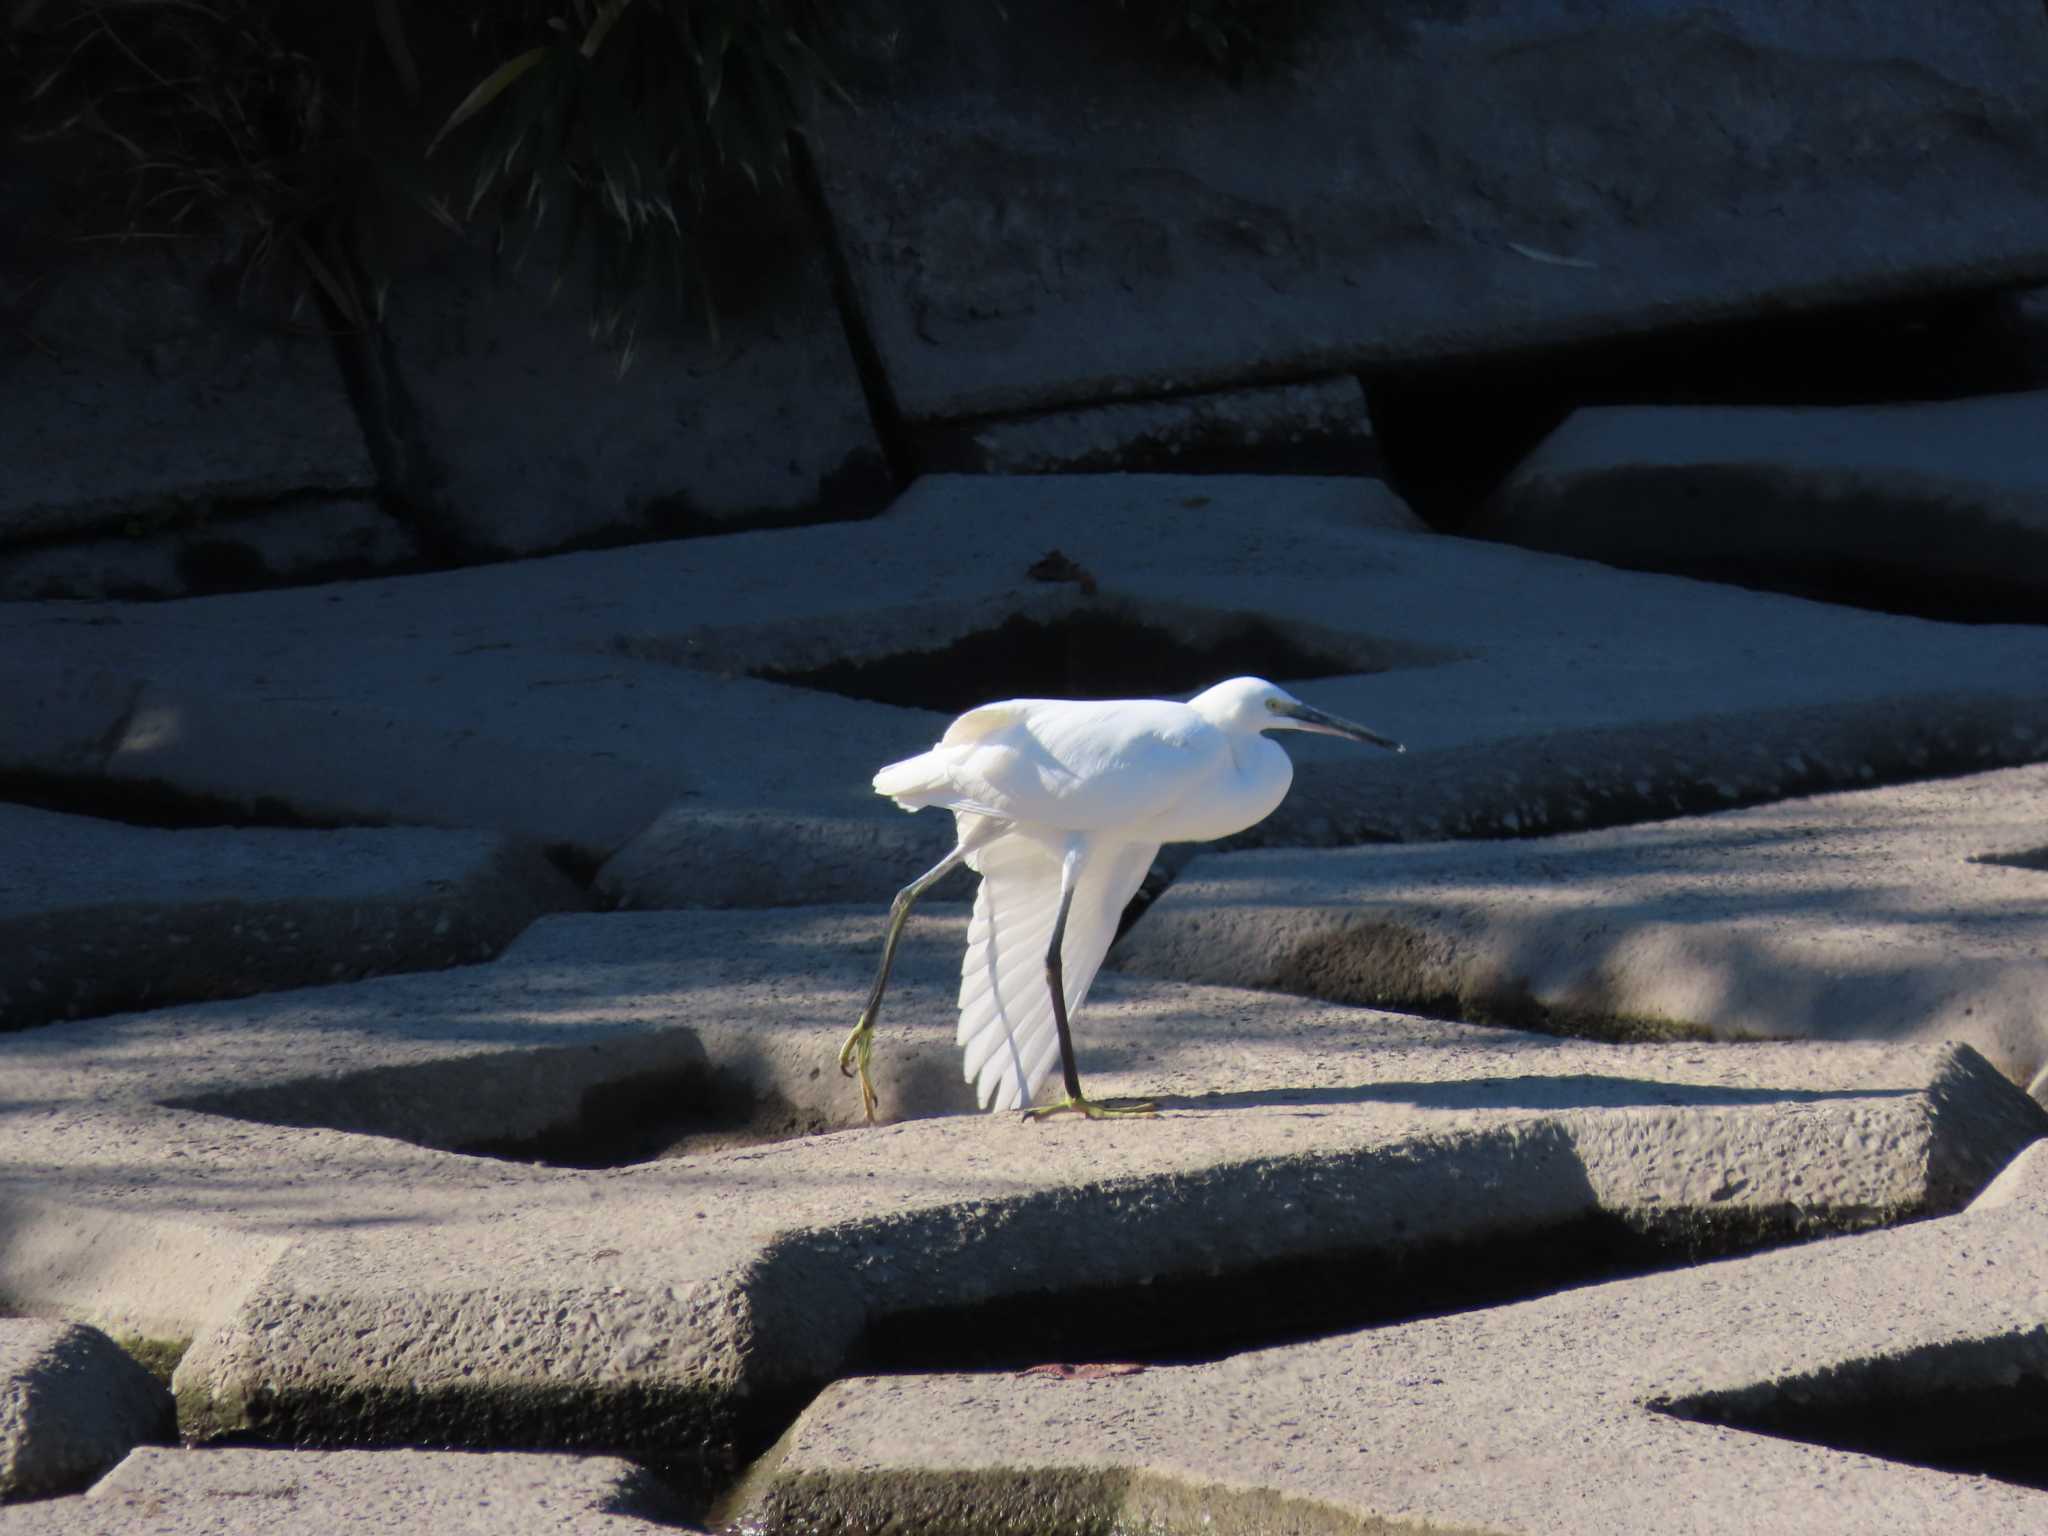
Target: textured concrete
296 541
1035 215
1916 912
692 858
1935 508
1279 429
97 917
572 700
313 1493
122 363
71 1405
1595 1412
760 420
263 1177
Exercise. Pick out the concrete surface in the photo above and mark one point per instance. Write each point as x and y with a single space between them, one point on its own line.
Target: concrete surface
251 1492
517 433
124 360
1604 1411
298 540
98 917
1037 215
1914 912
1938 508
574 699
263 1177
692 858
1321 426
71 1405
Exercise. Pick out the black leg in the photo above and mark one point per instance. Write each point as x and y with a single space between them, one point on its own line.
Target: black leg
1055 979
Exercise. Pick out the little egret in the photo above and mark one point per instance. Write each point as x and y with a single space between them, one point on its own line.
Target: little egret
1060 805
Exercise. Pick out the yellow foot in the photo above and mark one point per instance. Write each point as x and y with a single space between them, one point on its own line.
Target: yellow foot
1094 1109
853 1061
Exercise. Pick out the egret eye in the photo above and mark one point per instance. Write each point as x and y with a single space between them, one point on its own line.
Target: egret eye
1272 704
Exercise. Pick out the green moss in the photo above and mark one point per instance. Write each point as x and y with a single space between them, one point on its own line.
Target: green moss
159 1357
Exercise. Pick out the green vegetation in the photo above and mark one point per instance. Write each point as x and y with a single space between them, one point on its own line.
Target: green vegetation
204 118
617 129
159 1357
626 119
614 137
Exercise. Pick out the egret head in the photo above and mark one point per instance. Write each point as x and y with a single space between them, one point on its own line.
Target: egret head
1253 704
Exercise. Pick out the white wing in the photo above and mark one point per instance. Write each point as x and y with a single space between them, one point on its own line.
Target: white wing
1079 766
1007 1036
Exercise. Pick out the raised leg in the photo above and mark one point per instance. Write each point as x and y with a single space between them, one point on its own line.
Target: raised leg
860 1041
1055 978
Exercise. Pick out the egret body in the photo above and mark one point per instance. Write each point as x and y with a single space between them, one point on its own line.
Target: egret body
1060 805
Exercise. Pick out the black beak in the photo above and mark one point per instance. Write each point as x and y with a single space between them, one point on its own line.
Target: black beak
1308 718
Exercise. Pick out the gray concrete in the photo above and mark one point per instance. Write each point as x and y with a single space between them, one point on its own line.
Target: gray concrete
516 432
1045 214
1911 913
692 858
1594 1412
123 364
264 1177
1939 508
71 1405
572 700
293 541
98 917
313 1493
1277 429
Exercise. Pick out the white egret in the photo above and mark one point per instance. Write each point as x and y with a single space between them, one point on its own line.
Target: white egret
1060 805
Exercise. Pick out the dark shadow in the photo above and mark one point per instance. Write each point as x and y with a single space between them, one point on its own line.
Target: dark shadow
1535 1092
1977 1406
1099 655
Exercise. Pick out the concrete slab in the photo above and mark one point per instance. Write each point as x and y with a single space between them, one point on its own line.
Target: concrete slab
1938 508
71 1405
572 700
303 540
1320 427
760 420
1043 215
1617 1409
99 917
1915 912
309 1493
141 392
266 1178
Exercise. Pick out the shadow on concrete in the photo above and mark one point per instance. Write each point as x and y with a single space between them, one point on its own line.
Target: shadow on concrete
1534 1092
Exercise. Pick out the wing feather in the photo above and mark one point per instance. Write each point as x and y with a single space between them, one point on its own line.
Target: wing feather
1079 765
1008 1039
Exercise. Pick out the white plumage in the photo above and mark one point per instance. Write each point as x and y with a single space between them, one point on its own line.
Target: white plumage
1061 806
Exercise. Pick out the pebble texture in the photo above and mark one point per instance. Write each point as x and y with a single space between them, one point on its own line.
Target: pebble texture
72 1403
